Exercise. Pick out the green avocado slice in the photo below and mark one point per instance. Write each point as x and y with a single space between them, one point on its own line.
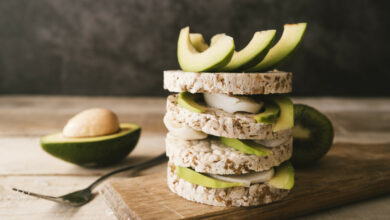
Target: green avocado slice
291 37
214 38
189 101
198 42
194 177
214 57
270 113
286 116
284 177
93 151
253 53
245 146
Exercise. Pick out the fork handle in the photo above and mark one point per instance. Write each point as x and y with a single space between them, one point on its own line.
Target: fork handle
159 159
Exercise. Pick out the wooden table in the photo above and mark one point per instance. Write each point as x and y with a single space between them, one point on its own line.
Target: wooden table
23 119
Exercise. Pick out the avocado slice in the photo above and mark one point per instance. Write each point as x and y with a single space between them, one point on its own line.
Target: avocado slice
286 116
194 177
284 177
93 151
198 42
190 101
291 37
253 53
270 114
214 38
214 57
245 146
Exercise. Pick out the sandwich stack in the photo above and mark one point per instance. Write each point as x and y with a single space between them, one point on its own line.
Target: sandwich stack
230 134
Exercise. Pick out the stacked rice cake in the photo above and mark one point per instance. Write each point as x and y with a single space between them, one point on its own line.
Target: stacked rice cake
230 137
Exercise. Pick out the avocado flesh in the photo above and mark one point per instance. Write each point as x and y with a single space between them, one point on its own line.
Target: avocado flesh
189 101
248 147
286 116
198 42
284 177
289 41
270 113
93 151
253 53
214 57
194 177
214 38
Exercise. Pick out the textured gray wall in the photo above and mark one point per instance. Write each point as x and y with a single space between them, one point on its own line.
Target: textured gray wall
121 47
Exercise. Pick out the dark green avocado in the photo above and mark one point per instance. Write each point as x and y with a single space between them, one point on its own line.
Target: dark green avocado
93 151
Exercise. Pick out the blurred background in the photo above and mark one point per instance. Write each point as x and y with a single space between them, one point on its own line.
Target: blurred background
121 47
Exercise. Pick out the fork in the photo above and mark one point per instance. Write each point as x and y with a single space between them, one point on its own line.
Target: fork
81 197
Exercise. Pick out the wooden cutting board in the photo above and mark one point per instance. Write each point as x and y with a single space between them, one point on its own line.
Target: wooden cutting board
349 173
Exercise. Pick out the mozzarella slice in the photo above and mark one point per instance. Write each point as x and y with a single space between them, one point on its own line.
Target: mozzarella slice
247 179
183 131
273 142
232 104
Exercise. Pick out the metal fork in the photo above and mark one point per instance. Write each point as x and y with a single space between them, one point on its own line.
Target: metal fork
81 197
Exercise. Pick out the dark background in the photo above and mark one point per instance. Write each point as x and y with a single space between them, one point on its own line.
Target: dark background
121 47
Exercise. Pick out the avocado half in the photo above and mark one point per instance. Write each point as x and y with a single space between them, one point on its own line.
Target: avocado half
93 151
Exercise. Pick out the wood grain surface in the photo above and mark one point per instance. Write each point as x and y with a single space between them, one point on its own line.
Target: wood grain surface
349 173
23 119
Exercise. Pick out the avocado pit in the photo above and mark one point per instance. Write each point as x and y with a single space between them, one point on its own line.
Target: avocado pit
92 123
93 138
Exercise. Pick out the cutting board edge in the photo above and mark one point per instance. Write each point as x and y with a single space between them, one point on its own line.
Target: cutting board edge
330 197
288 202
115 202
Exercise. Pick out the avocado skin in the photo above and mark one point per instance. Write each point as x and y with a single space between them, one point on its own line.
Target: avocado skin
222 63
276 58
94 153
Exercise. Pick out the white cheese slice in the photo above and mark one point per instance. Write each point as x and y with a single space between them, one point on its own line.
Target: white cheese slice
273 142
183 131
232 104
248 179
